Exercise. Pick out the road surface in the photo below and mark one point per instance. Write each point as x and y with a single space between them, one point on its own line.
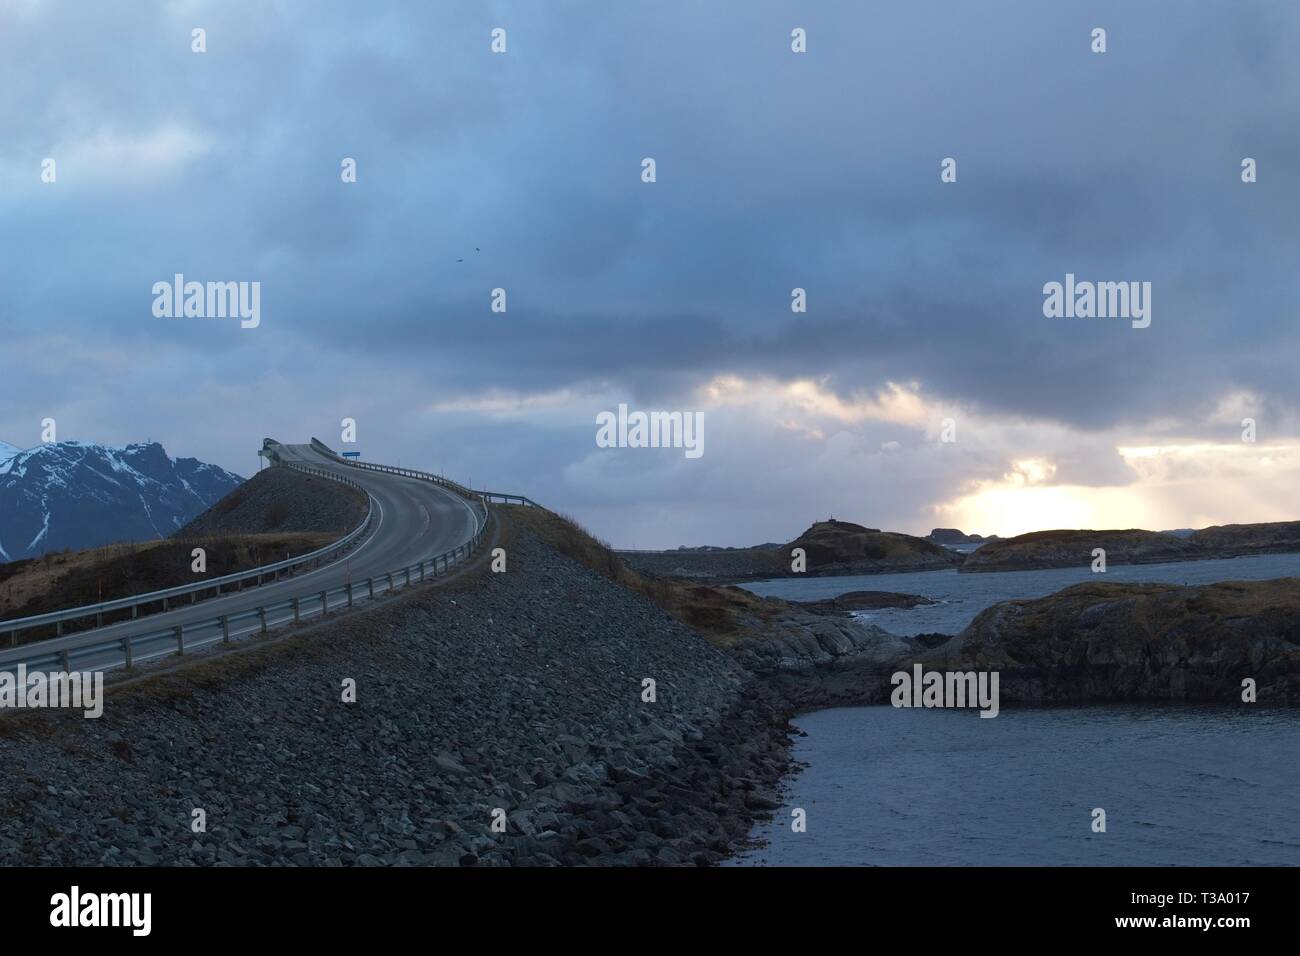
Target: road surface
414 521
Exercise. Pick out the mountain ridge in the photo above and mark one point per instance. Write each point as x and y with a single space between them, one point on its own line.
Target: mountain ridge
76 494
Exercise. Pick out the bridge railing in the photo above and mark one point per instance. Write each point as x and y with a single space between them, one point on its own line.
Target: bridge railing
464 492
502 498
90 648
89 651
167 596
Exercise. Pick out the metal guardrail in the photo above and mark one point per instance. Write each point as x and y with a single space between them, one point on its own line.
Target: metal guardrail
447 483
505 499
464 492
67 652
136 601
64 652
467 493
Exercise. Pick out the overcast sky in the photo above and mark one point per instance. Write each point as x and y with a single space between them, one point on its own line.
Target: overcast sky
775 170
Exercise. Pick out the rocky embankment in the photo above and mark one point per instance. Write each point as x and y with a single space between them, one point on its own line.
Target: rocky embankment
1071 548
521 692
830 547
281 500
520 699
822 658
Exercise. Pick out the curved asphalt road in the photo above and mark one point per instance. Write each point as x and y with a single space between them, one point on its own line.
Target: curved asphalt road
414 521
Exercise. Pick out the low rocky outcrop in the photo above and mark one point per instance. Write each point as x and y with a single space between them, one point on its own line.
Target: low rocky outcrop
1073 549
1231 540
1154 642
841 547
851 601
1090 643
956 536
831 547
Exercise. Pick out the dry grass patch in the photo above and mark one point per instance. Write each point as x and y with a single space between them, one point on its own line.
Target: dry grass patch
722 614
70 579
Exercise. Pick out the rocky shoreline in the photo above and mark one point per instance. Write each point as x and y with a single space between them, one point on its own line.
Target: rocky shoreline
514 698
503 719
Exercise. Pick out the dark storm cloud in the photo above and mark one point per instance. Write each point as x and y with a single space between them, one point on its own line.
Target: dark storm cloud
775 171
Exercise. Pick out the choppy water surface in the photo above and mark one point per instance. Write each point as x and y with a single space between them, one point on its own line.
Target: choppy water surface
962 596
899 787
1180 786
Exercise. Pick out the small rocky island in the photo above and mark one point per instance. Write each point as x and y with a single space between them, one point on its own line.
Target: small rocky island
831 547
1155 642
852 601
1073 548
834 547
954 536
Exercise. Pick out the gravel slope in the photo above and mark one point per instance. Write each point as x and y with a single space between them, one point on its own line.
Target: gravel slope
280 499
519 690
522 692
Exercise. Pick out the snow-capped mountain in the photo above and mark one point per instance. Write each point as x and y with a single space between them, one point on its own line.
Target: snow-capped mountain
80 495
